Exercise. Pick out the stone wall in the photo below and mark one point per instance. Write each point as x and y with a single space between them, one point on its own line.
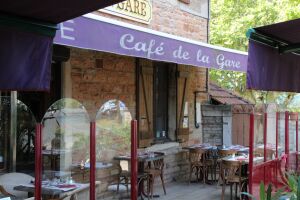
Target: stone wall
217 123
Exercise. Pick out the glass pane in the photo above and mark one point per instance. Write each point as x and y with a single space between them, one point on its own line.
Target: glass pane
113 139
17 156
292 132
66 142
258 138
271 136
281 134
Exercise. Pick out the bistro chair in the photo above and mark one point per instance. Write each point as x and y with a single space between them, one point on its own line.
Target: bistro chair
197 163
156 171
222 153
210 163
124 178
231 173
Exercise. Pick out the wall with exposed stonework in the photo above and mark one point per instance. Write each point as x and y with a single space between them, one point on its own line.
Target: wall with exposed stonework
168 17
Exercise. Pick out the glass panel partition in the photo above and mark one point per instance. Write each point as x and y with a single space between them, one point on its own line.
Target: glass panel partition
66 144
113 146
17 156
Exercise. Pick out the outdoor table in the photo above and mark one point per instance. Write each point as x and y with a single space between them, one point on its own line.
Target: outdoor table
243 159
142 159
86 167
52 190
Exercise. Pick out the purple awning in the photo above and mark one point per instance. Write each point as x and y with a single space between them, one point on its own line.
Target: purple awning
53 11
24 60
102 34
271 71
273 57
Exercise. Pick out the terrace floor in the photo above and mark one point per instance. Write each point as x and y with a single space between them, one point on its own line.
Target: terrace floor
193 191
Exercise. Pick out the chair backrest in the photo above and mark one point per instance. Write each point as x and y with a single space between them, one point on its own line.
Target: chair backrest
159 163
10 180
231 169
224 153
197 155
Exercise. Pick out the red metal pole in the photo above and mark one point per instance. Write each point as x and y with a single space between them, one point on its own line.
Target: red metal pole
38 161
265 136
297 141
251 141
92 161
277 120
134 163
297 132
287 151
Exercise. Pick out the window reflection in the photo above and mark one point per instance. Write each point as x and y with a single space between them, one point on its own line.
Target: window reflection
113 130
66 142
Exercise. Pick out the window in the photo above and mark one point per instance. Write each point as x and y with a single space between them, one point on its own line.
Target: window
161 88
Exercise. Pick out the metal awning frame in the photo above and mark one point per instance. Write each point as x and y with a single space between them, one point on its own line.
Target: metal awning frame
273 42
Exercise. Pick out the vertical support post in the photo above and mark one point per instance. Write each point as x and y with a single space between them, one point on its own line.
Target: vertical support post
277 123
251 141
38 161
297 118
134 163
276 151
265 136
92 160
265 143
287 150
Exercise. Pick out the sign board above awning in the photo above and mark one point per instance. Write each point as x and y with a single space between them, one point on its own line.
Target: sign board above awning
135 10
274 61
103 34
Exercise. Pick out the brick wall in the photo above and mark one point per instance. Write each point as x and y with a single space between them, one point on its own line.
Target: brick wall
169 18
93 86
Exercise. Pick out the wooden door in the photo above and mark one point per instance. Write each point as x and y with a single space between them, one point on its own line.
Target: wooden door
182 105
145 103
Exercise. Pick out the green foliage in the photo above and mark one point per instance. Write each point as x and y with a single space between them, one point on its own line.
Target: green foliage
266 195
230 19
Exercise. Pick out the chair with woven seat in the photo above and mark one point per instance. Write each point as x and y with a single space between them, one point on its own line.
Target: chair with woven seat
197 163
231 173
156 171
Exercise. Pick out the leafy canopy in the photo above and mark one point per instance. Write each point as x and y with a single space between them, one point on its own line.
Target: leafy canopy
230 19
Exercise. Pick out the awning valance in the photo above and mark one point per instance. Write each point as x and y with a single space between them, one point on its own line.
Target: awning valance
274 61
27 29
103 34
52 11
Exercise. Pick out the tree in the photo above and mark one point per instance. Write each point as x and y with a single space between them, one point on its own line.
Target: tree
230 19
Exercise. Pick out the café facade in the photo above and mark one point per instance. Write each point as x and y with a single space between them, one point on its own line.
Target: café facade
109 70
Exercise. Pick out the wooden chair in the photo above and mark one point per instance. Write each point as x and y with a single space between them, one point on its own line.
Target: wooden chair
231 173
124 178
156 171
210 164
222 153
196 159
